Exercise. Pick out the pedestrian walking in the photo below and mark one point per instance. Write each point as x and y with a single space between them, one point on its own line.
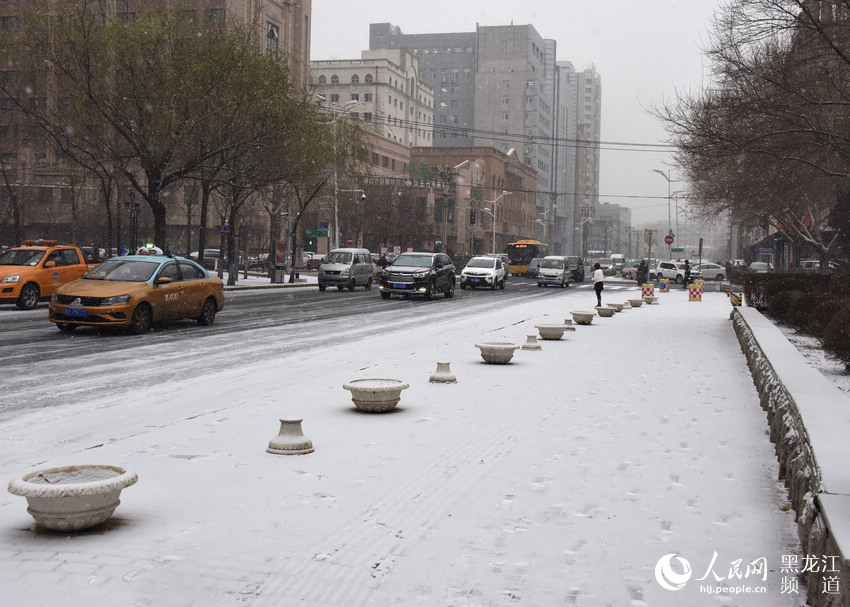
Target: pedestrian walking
687 273
598 279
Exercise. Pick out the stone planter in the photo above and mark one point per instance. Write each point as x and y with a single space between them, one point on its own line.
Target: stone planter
497 353
74 497
618 307
635 303
605 311
568 324
375 395
550 332
583 318
443 375
290 440
531 344
651 300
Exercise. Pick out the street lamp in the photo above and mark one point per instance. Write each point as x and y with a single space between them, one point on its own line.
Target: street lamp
133 207
492 213
669 199
347 106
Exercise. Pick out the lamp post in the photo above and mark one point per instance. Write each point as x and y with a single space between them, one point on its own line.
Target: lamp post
133 207
669 200
492 213
335 116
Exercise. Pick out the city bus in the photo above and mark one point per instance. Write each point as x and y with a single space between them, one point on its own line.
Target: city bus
523 251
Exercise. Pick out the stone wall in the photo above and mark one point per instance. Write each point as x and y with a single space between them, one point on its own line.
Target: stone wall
821 503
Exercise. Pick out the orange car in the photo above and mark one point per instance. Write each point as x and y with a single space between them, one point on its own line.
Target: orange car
30 273
135 291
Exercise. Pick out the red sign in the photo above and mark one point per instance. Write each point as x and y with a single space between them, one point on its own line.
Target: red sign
350 241
668 239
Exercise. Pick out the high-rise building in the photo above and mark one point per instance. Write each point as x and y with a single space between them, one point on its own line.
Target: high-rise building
501 86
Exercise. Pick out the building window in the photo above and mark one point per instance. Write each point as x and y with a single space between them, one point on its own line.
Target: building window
367 116
214 15
272 38
334 79
506 84
323 80
367 96
505 116
506 100
368 79
355 79
334 97
355 97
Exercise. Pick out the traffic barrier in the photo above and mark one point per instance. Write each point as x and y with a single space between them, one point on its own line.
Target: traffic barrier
664 285
694 292
648 290
735 298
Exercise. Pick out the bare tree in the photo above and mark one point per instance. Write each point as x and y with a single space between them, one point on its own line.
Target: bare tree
769 138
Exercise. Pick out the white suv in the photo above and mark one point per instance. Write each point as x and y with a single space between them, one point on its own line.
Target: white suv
672 270
483 272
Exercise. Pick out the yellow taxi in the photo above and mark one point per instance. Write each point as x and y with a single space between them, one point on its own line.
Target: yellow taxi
31 272
135 291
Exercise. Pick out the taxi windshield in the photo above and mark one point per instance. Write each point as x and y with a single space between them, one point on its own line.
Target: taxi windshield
122 270
21 257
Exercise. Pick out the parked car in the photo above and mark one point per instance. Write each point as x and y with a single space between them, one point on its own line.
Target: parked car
607 265
314 262
346 268
135 291
483 272
710 271
814 264
629 269
761 267
576 266
554 271
418 273
534 267
671 270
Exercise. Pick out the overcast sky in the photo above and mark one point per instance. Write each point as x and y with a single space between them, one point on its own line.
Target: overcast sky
644 51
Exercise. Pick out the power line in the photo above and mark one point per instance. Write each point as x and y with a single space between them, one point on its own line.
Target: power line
513 138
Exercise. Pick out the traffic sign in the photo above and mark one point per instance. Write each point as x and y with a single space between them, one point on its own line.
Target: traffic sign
317 233
224 228
350 241
668 239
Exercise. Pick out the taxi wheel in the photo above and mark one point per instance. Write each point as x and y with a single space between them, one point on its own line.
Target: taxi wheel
322 287
352 285
142 319
29 297
207 313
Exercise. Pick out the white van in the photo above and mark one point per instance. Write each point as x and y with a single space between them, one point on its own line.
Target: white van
343 268
554 270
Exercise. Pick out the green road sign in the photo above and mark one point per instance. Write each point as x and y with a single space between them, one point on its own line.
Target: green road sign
317 233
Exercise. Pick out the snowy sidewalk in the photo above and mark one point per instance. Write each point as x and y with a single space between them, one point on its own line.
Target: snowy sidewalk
560 479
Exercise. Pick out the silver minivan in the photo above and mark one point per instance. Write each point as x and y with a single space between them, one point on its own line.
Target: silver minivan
343 268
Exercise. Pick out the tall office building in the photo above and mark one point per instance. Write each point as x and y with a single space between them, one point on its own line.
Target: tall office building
501 87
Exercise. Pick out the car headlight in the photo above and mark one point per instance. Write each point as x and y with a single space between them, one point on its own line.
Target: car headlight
11 278
420 275
115 300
